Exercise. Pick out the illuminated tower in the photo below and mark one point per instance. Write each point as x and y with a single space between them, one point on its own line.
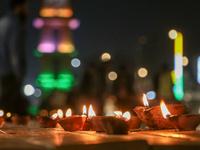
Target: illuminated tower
55 45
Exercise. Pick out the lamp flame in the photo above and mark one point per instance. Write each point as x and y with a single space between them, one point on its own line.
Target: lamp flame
60 113
68 113
91 112
118 114
126 116
146 104
164 110
54 116
1 113
84 110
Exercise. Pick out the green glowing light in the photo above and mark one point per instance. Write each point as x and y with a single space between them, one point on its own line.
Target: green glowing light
37 53
63 82
33 110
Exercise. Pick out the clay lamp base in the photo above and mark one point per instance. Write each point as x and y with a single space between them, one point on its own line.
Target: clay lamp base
97 124
153 117
113 125
1 120
134 122
72 123
46 122
185 122
20 120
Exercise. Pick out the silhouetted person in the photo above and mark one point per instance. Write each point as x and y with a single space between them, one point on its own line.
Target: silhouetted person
12 58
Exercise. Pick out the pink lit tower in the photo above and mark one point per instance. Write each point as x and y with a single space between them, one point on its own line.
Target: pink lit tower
55 46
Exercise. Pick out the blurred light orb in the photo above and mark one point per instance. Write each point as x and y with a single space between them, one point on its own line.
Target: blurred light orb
29 90
112 76
37 93
75 62
142 72
185 61
151 95
172 34
38 23
1 113
8 114
142 40
74 24
187 97
105 57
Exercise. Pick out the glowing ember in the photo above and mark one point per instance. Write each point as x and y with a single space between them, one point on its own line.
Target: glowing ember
164 110
8 115
1 113
146 104
84 110
68 113
91 112
126 116
118 114
54 116
60 113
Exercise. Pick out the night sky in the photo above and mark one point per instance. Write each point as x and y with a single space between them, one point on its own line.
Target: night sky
114 26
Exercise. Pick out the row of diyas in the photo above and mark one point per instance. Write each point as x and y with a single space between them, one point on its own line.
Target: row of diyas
109 124
18 120
168 116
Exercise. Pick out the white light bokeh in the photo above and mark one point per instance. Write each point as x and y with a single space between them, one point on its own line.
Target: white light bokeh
37 93
75 62
29 90
105 57
142 72
185 61
112 76
151 95
172 34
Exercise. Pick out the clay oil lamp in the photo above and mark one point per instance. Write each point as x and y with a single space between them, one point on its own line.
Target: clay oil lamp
20 120
185 122
96 124
1 117
116 125
72 122
152 116
48 122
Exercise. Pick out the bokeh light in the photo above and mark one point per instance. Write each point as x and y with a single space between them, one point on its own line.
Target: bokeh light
65 48
29 90
185 61
46 47
38 23
105 57
142 72
112 76
75 62
64 12
142 40
1 113
37 93
172 34
151 95
74 24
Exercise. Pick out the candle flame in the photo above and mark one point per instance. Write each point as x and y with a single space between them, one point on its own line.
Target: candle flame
68 113
54 116
164 110
84 110
8 114
118 114
1 113
126 116
91 112
146 104
60 113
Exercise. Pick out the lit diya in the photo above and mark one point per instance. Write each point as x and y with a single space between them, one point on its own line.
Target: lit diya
72 122
89 123
152 116
48 122
116 125
1 117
